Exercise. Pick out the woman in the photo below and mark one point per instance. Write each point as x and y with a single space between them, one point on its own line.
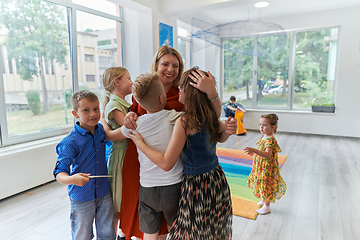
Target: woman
168 63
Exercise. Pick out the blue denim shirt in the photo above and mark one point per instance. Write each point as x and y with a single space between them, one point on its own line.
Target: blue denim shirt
199 154
228 112
82 152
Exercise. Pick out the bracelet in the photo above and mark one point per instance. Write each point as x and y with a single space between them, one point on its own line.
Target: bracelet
213 99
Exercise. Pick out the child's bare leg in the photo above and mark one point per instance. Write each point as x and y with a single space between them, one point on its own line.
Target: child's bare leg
265 209
164 236
153 236
116 221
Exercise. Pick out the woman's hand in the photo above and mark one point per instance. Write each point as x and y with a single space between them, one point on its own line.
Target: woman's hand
203 83
137 138
130 120
230 126
207 85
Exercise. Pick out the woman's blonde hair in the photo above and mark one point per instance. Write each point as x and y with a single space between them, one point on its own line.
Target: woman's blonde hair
273 118
109 75
199 110
163 51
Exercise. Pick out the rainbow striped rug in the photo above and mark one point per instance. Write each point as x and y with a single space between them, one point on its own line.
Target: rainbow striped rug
237 167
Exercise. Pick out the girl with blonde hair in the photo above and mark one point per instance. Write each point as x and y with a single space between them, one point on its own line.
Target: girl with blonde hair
117 84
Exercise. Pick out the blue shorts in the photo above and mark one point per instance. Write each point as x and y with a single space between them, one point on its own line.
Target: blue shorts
83 215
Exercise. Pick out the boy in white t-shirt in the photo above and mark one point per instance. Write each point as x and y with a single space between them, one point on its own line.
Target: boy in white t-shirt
159 190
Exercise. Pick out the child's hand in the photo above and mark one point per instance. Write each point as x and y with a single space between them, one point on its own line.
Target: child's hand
230 126
80 179
136 137
249 151
130 120
203 83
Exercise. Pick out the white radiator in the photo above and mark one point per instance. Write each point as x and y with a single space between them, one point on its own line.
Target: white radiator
27 165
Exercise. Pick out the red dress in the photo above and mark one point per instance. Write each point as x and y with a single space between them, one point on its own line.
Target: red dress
129 216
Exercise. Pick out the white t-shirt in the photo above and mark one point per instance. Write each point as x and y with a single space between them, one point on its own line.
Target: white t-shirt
156 129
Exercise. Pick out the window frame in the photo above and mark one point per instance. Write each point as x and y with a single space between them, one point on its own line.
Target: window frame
71 9
188 41
291 76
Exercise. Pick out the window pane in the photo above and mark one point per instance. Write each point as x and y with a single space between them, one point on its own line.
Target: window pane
238 71
100 5
36 97
99 47
184 50
272 72
315 67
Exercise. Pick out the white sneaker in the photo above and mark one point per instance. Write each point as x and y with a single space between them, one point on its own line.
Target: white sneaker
261 203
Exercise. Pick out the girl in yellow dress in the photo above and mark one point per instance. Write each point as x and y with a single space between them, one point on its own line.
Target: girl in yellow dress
265 178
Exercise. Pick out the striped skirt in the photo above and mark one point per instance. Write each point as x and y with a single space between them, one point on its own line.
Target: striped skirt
205 209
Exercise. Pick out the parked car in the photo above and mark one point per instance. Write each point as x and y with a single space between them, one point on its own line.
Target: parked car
269 87
277 90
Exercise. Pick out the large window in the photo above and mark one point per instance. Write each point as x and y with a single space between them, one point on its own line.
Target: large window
45 58
299 74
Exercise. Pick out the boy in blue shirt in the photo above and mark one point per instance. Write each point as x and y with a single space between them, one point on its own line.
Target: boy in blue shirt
81 157
231 107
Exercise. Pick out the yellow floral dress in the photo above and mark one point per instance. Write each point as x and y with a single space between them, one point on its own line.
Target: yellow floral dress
265 179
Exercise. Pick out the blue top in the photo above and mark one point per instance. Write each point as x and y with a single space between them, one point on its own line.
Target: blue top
231 113
199 154
84 153
228 112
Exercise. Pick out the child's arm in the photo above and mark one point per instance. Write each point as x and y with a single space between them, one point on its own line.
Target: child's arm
66 153
111 135
228 128
167 160
118 116
240 109
207 85
265 154
79 179
231 108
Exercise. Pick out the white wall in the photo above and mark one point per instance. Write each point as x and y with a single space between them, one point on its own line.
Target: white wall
156 15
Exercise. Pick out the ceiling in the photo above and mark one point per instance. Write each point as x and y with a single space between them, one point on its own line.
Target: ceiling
226 11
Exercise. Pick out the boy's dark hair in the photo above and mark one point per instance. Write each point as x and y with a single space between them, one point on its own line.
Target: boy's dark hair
233 98
80 95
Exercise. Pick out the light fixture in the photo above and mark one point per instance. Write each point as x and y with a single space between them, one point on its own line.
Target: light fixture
261 4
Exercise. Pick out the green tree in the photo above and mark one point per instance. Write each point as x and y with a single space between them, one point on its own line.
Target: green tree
238 67
311 61
37 35
275 58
